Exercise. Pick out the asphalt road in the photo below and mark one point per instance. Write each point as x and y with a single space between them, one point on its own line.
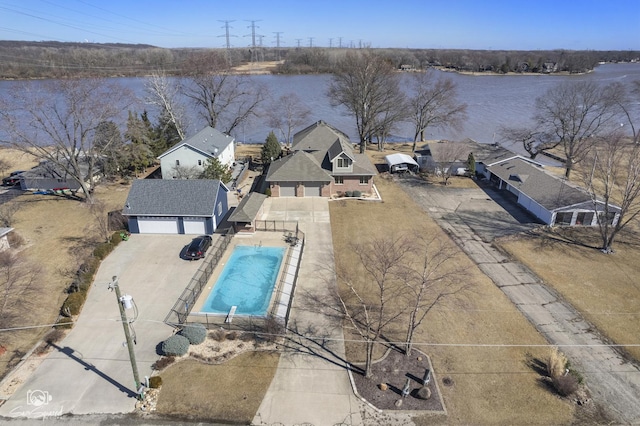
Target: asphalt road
473 218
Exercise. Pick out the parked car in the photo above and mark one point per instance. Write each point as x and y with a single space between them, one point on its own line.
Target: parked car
198 247
13 179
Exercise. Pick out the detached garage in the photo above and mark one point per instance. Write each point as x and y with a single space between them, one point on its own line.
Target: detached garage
159 206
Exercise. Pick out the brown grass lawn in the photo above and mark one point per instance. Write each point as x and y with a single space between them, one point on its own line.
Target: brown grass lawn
230 392
491 385
605 288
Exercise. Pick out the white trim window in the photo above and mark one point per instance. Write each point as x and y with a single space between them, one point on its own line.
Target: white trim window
364 180
338 180
219 208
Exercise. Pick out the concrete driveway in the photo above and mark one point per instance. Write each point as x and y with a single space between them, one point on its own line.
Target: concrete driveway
90 371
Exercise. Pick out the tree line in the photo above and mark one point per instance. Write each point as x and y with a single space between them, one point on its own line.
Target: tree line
23 60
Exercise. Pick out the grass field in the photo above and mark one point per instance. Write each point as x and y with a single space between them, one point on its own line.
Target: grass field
231 392
603 287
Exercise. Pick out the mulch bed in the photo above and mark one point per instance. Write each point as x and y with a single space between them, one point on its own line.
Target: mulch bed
393 370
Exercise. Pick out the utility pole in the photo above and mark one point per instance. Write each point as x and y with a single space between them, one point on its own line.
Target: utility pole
122 301
330 43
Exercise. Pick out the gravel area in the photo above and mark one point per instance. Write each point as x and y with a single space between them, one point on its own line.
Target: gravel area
393 370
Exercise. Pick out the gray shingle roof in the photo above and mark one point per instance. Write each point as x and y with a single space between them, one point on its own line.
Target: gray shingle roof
549 191
299 166
181 197
248 208
209 141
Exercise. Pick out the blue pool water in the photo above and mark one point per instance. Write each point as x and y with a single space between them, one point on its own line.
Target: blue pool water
246 281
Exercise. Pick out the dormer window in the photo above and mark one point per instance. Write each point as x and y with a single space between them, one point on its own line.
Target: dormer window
342 163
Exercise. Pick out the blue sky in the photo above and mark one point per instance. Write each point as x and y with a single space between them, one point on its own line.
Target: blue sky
467 24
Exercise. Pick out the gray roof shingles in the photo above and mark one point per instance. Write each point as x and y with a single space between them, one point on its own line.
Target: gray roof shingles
209 141
162 197
248 208
549 191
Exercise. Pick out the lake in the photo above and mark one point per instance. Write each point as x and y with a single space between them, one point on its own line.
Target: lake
492 101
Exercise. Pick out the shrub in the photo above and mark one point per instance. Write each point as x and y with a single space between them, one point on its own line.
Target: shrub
556 363
565 385
163 363
63 323
195 333
267 192
232 335
155 382
219 335
348 193
53 336
73 303
357 194
175 345
102 250
15 240
115 239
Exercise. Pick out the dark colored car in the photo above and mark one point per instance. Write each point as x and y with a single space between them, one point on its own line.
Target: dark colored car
198 247
13 179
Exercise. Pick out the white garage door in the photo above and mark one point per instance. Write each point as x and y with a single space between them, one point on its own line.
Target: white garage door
194 225
312 189
158 225
287 189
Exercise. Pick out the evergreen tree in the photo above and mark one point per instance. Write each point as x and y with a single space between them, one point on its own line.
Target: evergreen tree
214 169
108 141
471 164
271 149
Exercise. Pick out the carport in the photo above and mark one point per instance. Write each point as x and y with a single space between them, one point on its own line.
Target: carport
399 162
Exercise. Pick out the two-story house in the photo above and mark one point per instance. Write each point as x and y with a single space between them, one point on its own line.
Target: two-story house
322 164
188 158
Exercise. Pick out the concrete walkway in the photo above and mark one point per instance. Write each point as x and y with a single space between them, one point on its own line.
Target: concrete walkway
311 385
613 382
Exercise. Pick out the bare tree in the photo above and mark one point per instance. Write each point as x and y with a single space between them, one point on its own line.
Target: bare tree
286 113
433 279
367 86
533 141
625 101
224 100
187 172
450 153
4 166
614 177
374 291
573 113
163 93
434 104
100 213
17 287
55 121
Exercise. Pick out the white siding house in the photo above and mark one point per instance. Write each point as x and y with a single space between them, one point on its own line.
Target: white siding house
190 156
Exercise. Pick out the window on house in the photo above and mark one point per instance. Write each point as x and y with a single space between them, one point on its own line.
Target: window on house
177 162
342 163
219 208
603 217
338 180
364 180
563 218
584 218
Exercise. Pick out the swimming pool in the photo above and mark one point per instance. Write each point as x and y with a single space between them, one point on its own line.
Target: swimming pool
247 281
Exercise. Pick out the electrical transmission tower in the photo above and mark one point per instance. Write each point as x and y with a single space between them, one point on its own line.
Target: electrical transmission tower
311 41
277 33
228 43
253 26
298 40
